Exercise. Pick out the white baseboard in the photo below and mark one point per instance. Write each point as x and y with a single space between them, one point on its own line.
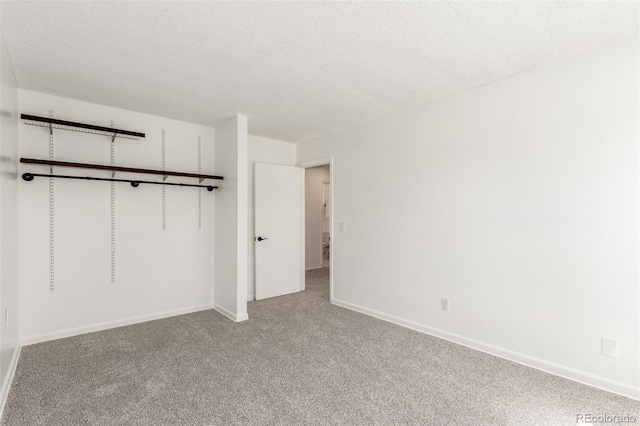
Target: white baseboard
227 313
251 298
313 267
6 385
580 376
45 337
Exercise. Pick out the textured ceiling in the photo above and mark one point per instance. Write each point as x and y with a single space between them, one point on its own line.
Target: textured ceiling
296 69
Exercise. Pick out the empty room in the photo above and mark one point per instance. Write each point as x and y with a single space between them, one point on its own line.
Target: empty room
319 213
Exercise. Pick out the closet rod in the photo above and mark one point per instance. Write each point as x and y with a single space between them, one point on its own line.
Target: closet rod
30 176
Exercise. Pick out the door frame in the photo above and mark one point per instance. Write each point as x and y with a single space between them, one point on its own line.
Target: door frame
305 165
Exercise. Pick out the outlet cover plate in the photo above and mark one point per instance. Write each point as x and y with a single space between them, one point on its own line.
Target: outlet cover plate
444 304
609 347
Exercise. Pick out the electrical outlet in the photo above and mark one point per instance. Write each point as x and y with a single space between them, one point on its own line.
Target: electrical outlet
609 347
444 304
342 226
6 318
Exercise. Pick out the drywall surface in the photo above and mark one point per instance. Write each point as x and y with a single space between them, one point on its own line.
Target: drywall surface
163 263
314 214
8 221
517 201
231 219
262 150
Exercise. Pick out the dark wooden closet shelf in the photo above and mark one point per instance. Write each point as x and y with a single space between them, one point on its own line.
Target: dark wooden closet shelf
53 123
52 163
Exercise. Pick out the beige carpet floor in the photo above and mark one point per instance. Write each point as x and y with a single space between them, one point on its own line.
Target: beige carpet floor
298 361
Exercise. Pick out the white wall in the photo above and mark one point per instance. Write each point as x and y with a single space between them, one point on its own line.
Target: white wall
231 219
314 214
262 150
8 222
159 271
518 201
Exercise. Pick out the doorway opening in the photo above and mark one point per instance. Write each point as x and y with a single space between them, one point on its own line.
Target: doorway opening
326 222
318 217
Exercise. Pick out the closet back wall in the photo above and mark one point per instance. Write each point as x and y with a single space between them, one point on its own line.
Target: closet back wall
158 272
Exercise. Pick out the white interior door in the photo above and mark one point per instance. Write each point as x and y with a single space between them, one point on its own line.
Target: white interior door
279 221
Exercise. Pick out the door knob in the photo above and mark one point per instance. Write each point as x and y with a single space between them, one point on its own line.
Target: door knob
260 238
